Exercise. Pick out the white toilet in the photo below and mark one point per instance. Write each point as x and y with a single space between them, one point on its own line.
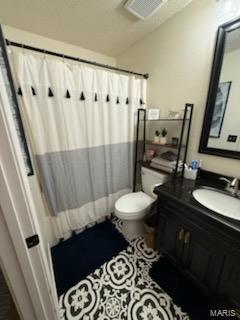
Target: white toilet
133 207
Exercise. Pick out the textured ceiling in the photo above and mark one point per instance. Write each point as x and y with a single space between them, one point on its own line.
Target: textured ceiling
100 25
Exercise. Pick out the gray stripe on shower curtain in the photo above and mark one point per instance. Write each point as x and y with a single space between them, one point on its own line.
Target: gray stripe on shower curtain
76 177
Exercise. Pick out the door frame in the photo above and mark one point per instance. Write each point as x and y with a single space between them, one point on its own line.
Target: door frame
12 273
20 216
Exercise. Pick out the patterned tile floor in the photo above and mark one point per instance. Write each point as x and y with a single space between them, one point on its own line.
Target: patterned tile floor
121 289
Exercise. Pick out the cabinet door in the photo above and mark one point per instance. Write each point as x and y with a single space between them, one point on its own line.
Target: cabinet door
169 238
229 286
202 260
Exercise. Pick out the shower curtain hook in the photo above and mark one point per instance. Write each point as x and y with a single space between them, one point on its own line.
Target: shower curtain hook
9 46
95 83
23 51
79 62
63 56
44 54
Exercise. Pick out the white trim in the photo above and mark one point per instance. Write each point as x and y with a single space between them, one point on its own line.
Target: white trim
52 280
13 275
20 216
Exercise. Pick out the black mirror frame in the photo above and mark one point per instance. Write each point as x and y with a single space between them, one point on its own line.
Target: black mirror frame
212 92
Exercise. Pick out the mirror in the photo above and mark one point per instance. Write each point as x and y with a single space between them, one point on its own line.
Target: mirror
221 126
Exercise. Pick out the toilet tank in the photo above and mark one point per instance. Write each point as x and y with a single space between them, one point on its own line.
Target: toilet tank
150 178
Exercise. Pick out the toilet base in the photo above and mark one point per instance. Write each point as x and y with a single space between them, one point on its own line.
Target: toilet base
133 229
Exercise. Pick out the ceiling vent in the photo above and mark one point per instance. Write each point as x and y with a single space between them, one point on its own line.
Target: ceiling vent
144 8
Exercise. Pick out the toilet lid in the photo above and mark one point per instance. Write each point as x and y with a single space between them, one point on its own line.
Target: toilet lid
133 202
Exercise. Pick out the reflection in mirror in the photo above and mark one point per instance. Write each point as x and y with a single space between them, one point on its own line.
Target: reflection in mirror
225 123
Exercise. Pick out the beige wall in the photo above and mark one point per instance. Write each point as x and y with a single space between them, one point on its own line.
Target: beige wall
21 36
17 35
178 57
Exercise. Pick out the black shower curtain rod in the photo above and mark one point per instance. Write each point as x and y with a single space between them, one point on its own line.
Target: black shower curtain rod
61 55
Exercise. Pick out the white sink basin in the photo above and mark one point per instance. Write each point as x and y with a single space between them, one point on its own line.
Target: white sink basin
219 202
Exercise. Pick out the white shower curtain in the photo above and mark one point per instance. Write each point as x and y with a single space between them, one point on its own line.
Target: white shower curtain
80 122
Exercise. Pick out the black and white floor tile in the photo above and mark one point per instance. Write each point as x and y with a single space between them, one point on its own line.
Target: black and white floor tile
121 289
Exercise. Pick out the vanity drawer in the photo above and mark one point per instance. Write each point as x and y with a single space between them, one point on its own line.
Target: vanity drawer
225 237
173 210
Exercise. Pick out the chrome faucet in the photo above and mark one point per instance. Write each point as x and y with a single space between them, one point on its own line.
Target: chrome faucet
232 185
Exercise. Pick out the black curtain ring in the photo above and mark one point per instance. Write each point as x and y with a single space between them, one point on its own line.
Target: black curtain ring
44 54
9 44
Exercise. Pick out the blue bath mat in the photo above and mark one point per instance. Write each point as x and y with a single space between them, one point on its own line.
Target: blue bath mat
77 257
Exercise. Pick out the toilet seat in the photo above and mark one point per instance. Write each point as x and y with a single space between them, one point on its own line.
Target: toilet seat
133 205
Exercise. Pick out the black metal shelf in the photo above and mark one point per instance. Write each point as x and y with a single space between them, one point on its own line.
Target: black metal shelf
149 120
167 145
181 148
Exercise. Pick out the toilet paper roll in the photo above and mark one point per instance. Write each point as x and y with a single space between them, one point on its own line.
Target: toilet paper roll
153 187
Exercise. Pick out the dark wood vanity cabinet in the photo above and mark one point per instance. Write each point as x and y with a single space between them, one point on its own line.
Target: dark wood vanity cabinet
229 285
198 251
168 234
201 260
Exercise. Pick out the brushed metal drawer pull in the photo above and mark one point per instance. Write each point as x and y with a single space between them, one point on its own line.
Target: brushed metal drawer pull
237 313
181 235
187 238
